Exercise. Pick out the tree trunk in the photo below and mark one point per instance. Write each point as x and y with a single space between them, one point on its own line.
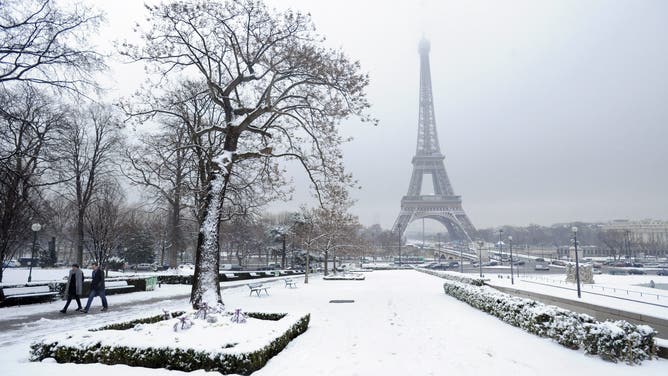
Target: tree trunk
174 234
282 255
326 262
308 265
80 238
206 280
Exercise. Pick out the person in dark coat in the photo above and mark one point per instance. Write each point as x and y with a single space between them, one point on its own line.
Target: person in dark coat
97 288
74 287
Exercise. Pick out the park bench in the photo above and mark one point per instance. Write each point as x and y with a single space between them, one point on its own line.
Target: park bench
254 275
290 283
256 288
230 275
17 295
118 286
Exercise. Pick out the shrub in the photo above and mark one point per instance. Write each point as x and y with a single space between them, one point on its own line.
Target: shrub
611 340
173 358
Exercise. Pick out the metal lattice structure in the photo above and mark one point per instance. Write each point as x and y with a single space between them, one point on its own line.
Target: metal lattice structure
443 206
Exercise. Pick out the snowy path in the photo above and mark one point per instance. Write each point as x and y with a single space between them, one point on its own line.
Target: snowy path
401 323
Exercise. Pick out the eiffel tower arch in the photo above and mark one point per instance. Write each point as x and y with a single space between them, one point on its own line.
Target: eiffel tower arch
443 206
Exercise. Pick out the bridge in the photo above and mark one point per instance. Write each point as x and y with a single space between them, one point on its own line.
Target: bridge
467 254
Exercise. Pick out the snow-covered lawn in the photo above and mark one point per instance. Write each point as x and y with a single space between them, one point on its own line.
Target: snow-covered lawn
621 291
400 324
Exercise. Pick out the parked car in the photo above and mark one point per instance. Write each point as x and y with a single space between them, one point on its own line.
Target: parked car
596 271
230 267
636 271
520 262
143 266
540 259
440 267
186 268
541 267
662 272
453 264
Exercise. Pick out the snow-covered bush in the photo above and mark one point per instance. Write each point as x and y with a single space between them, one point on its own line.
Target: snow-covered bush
454 276
115 263
620 340
80 347
611 340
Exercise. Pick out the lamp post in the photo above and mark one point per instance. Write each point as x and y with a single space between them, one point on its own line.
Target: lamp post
512 272
501 244
399 251
577 263
461 258
480 245
35 228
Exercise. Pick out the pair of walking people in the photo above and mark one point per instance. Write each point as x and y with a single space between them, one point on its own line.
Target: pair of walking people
74 288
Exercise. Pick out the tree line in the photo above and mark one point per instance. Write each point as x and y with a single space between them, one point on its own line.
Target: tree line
233 90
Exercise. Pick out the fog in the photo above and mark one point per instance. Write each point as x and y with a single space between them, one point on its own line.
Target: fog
547 111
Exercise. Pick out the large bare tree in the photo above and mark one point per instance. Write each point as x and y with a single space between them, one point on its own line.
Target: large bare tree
280 91
163 163
86 150
45 44
28 120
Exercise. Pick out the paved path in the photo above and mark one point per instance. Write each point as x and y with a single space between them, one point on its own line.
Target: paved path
51 320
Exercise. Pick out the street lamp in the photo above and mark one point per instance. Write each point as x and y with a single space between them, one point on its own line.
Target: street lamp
577 263
480 245
512 272
35 228
501 244
461 258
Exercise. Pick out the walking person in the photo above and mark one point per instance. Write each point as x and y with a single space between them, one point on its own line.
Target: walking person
97 288
74 287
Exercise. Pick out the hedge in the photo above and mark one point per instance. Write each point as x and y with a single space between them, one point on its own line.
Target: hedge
611 340
181 359
175 279
454 276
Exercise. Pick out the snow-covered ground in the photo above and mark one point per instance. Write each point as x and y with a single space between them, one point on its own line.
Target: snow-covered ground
400 323
615 291
613 297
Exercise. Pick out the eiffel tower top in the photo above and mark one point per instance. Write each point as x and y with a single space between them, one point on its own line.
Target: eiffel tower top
427 142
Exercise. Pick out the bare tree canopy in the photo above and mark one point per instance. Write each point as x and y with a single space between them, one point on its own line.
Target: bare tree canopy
281 94
42 43
28 123
87 146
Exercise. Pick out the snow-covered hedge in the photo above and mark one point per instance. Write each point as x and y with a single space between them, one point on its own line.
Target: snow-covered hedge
86 348
611 340
454 276
344 277
177 279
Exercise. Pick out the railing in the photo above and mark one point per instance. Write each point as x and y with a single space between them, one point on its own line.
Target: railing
593 287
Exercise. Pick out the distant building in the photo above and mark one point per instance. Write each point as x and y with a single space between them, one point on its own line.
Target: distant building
645 231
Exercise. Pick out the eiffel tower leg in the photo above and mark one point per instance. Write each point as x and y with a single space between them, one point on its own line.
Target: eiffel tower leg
401 223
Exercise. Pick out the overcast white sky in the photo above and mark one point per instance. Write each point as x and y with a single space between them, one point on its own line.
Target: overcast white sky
547 111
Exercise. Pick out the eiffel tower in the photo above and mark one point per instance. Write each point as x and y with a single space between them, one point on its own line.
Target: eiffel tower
443 206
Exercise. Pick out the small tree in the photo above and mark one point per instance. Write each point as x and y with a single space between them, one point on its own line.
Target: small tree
103 221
